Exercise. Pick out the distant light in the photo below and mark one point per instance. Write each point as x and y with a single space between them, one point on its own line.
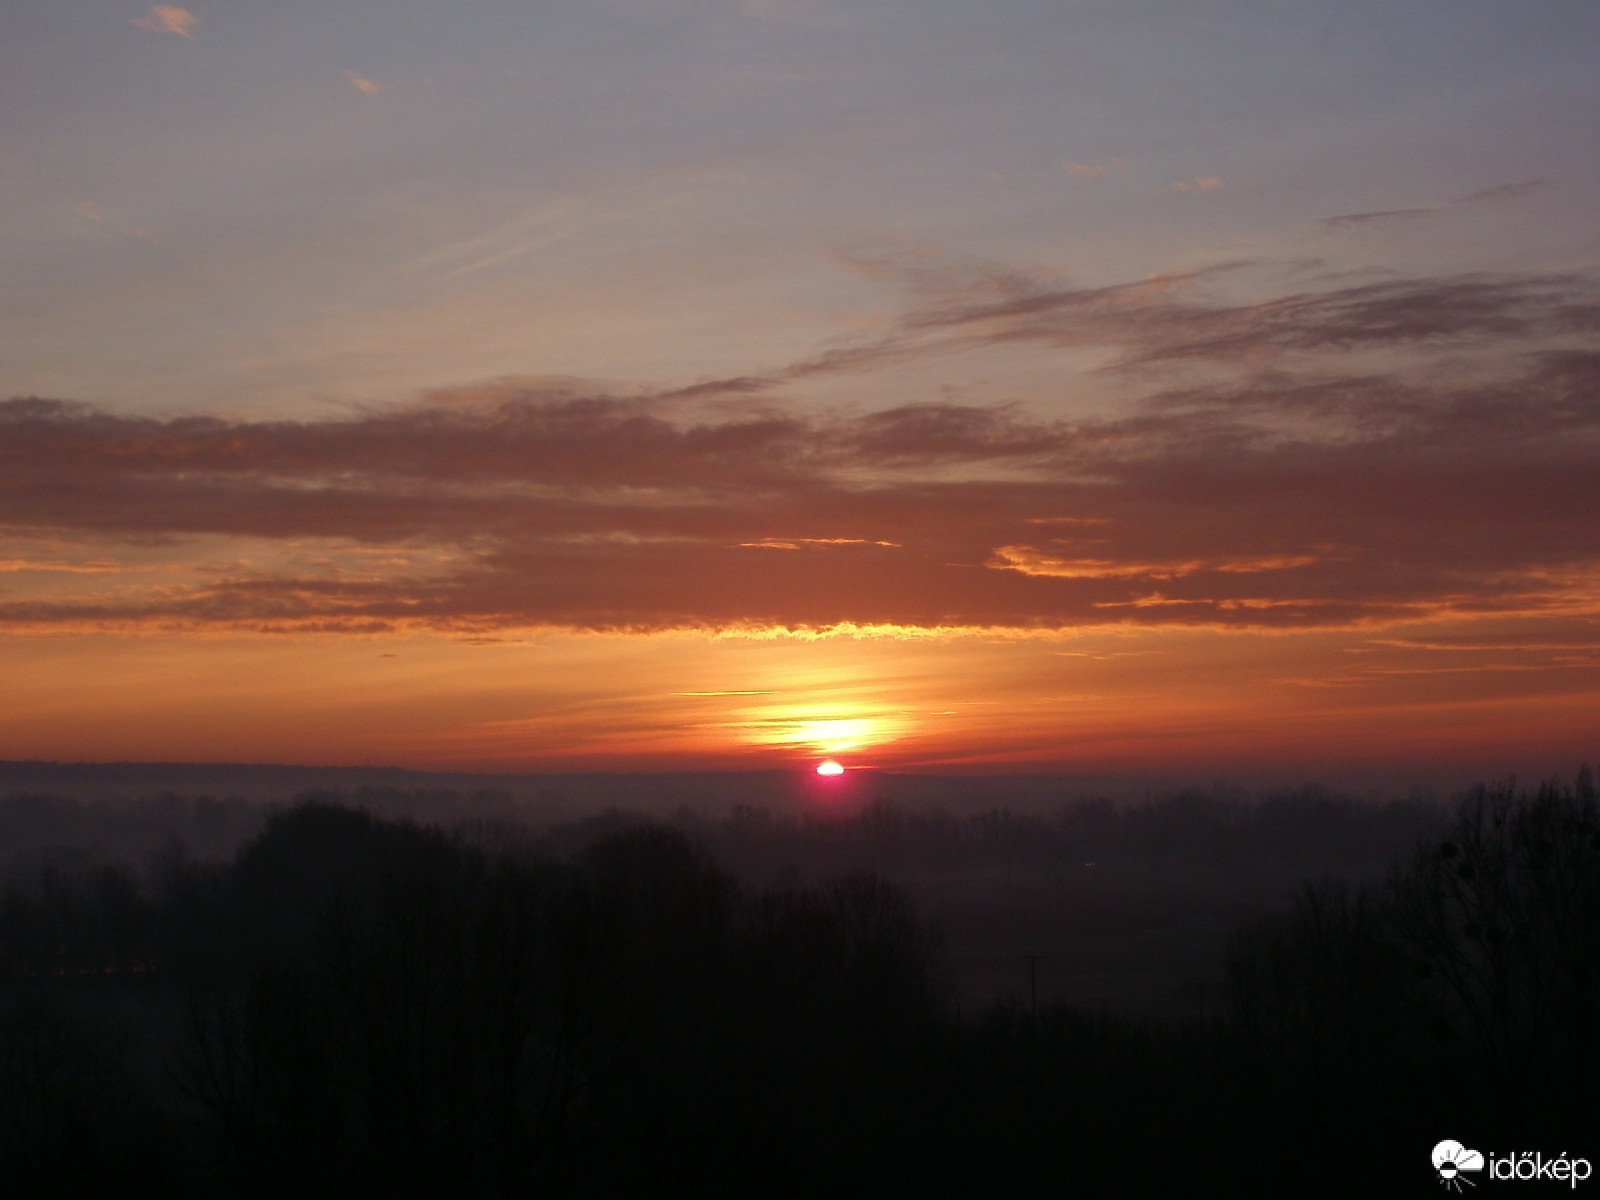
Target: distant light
829 767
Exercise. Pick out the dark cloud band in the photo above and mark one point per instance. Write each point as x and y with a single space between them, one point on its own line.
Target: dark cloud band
1282 499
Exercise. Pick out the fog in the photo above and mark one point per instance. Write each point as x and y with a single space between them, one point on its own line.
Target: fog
1037 889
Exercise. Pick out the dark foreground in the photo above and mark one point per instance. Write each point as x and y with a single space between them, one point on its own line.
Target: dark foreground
355 1007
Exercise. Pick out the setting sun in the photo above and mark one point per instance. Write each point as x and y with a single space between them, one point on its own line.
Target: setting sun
829 767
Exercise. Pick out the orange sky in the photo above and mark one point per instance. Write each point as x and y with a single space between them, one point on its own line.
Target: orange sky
1392 707
1139 388
1290 573
1253 575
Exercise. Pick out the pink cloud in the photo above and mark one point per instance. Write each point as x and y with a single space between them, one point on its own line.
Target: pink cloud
363 85
165 18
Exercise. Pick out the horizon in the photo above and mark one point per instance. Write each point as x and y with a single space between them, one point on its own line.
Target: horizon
800 787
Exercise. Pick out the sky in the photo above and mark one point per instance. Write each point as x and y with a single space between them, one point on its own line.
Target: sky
1180 388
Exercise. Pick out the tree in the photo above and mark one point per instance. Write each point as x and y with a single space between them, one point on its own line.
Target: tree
1502 919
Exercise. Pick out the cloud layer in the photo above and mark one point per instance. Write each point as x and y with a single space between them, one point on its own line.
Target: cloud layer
1280 494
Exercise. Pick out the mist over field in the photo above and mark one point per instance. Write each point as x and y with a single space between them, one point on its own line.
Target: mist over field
1126 902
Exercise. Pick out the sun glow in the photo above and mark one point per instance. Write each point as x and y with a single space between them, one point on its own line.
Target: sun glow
837 736
829 767
818 731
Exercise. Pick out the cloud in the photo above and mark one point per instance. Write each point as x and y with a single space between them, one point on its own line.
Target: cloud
1030 561
365 86
72 568
1506 191
1493 195
93 219
1180 317
1200 183
1080 170
1382 217
164 18
657 525
1271 496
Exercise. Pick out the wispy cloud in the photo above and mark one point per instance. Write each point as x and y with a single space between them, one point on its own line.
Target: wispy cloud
92 218
543 225
743 692
1380 217
1507 191
1166 320
47 566
1031 561
1199 183
165 18
1079 170
363 85
1493 195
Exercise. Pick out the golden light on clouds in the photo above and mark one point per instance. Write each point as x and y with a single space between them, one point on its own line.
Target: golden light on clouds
838 735
816 729
1128 700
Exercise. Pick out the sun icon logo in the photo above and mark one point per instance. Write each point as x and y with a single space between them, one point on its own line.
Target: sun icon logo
1450 1159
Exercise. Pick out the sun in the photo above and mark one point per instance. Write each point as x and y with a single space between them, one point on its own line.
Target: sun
829 767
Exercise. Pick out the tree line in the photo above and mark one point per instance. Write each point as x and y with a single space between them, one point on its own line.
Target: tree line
354 1006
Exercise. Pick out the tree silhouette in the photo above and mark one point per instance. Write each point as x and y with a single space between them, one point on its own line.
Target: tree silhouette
1503 920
